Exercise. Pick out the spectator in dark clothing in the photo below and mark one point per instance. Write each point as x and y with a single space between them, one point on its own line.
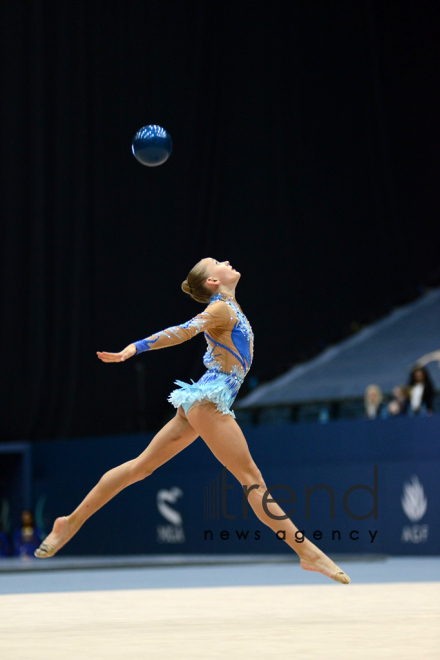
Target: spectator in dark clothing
421 391
399 404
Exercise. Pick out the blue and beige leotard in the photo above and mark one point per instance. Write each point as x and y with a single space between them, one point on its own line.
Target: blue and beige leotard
228 357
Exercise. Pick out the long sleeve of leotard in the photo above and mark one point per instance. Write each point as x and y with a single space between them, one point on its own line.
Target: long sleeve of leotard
215 315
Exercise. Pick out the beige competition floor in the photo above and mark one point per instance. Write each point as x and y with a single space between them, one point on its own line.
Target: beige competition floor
363 621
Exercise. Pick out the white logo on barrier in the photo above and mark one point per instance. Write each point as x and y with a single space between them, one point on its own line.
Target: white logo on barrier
172 533
414 504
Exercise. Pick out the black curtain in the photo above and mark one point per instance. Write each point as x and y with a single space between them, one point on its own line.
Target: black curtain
306 142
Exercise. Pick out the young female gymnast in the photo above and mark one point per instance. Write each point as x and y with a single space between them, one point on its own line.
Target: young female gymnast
203 409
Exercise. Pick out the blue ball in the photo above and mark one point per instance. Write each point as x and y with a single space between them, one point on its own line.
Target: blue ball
152 145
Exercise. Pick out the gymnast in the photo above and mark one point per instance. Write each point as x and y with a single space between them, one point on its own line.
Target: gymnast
203 409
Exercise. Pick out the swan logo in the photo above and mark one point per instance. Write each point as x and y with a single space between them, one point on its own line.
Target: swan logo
414 504
173 532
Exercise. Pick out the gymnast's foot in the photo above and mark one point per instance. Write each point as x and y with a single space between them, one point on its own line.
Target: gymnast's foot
323 564
60 534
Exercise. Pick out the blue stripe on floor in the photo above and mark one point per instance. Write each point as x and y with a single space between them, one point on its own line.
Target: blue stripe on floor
396 569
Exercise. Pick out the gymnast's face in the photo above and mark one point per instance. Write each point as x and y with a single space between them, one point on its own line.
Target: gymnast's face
221 271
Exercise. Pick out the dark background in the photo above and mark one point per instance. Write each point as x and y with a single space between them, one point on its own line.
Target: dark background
306 142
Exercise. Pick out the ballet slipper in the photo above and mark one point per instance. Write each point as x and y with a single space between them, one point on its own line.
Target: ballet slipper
339 576
45 550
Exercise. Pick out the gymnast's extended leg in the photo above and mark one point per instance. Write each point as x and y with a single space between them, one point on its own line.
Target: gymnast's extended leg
225 439
171 439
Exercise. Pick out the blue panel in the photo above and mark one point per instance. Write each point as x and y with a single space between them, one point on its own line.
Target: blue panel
171 510
242 344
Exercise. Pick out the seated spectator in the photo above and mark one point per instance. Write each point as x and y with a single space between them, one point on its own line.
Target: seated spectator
27 538
421 391
399 404
373 402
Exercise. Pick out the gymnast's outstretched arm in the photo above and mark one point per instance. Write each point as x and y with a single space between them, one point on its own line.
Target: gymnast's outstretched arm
215 315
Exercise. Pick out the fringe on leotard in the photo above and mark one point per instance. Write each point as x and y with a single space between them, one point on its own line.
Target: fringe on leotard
220 391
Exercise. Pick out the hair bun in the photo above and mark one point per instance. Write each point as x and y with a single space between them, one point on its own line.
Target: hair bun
197 289
186 287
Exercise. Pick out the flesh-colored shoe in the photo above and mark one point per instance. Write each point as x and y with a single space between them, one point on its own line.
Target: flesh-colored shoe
45 550
339 576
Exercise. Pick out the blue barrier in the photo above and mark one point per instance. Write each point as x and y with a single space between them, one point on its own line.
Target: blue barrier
384 471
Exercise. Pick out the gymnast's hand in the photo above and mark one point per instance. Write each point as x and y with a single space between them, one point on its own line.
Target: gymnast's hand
128 352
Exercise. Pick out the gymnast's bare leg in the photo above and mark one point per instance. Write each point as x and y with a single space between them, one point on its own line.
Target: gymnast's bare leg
171 439
224 437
